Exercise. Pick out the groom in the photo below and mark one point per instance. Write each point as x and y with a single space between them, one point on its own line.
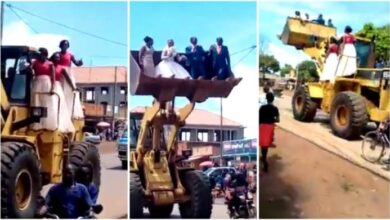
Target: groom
195 59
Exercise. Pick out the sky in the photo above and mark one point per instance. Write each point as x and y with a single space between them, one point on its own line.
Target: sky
355 14
105 19
234 21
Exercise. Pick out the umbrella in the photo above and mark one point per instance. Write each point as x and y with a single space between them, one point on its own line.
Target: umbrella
206 164
103 124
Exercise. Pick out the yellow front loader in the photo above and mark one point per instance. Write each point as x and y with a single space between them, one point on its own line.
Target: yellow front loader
350 101
30 158
158 176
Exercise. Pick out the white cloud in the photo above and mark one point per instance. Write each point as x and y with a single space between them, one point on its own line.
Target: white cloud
286 54
242 103
18 33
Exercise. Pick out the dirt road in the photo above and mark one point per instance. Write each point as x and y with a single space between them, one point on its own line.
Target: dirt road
306 181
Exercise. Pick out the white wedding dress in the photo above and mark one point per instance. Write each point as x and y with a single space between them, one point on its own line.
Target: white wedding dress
168 67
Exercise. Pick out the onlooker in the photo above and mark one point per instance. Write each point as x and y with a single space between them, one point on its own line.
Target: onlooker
320 20
268 116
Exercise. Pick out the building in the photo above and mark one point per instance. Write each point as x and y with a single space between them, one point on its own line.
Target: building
103 92
202 133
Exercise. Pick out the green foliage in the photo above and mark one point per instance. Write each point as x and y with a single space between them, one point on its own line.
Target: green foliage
286 70
307 71
382 38
268 64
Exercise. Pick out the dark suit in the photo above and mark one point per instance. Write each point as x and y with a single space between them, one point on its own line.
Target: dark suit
195 59
220 62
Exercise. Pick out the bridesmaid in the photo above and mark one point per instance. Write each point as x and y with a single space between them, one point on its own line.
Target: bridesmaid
43 82
331 61
347 63
61 74
72 98
145 57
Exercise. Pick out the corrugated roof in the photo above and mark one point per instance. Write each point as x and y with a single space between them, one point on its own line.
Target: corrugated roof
200 117
100 74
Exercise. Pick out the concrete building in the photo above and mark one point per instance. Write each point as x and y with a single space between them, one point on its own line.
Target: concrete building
103 92
202 133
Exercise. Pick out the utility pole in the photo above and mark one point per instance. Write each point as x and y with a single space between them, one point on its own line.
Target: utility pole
221 135
114 99
1 22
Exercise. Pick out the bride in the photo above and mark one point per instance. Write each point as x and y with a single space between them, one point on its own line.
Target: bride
168 68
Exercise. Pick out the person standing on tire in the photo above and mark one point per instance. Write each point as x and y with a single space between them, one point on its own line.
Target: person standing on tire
68 198
268 116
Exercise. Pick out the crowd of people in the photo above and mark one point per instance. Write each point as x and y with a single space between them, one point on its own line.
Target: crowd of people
53 76
320 19
194 57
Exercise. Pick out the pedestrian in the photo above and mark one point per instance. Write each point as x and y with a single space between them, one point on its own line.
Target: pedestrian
268 116
263 100
220 60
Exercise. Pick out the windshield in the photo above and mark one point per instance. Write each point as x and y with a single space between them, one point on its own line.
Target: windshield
210 170
363 50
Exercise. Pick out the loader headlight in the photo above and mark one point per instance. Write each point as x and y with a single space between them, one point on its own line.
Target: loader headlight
39 112
386 75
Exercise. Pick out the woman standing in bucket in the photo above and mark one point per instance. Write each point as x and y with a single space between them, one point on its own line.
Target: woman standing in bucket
43 82
65 122
347 62
72 96
329 72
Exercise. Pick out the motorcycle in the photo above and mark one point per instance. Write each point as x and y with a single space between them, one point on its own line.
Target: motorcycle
245 207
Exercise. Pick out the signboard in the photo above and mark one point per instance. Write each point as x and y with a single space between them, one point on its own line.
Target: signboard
240 146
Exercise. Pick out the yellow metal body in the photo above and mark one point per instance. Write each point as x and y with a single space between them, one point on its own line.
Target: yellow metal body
312 39
50 146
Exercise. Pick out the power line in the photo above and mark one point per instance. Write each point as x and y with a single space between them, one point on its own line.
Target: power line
67 26
251 47
21 19
245 56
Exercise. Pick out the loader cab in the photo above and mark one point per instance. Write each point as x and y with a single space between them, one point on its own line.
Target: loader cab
365 53
15 74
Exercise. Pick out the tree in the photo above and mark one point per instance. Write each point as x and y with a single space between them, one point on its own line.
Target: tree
382 38
307 71
286 70
268 64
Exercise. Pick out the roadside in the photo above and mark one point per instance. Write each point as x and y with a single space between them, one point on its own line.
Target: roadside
320 134
306 181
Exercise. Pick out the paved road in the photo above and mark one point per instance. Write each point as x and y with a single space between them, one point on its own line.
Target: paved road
114 184
319 133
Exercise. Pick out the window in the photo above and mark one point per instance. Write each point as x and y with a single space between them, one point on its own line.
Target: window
90 94
104 106
123 90
234 135
203 135
104 90
185 136
217 136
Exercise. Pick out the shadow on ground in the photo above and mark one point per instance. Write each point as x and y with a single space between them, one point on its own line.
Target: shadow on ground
273 202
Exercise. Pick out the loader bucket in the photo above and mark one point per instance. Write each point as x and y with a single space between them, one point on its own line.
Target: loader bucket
301 34
165 89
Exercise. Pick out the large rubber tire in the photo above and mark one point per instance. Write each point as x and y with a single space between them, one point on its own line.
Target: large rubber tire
161 211
137 196
83 152
348 115
304 109
20 180
198 186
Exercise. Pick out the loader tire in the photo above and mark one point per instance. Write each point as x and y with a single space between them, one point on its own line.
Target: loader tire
160 211
197 186
348 115
137 196
304 109
20 180
84 152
